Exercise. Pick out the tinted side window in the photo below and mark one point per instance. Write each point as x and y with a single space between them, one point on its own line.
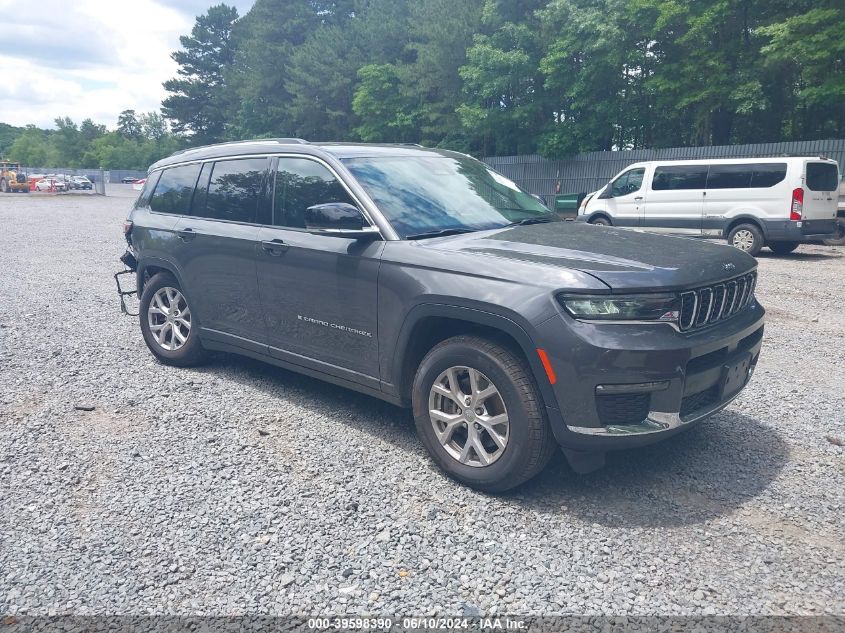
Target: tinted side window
302 183
174 189
234 189
680 177
822 177
149 187
729 176
201 193
768 174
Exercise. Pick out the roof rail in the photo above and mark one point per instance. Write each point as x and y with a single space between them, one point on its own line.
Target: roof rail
282 141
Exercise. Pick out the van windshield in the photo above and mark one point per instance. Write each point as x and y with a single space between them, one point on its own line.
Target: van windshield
425 194
822 177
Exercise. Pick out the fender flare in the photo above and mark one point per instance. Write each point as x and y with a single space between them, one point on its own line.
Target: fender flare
599 214
744 218
493 320
157 262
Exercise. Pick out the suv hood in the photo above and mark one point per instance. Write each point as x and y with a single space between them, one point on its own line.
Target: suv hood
623 259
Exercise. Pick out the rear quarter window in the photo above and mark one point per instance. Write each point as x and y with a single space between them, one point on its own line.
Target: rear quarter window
822 177
174 189
147 192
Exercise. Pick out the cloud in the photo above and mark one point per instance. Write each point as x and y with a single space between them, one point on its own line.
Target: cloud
99 58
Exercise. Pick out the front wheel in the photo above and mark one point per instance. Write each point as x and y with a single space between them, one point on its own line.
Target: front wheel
600 221
746 237
479 414
783 248
167 324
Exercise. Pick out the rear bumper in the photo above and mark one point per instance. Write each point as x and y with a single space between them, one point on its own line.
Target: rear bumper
803 231
621 386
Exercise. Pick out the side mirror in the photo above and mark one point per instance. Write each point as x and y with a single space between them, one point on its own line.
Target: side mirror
606 193
338 219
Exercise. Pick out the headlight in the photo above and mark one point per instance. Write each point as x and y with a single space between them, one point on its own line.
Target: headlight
661 308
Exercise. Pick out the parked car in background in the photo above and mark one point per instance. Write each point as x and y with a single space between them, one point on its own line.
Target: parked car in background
81 182
138 185
129 180
753 202
51 184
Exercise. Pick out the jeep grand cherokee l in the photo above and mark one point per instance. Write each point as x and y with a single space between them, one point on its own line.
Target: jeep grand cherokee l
426 279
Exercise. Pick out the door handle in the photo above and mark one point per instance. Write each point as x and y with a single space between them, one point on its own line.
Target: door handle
186 235
274 247
638 198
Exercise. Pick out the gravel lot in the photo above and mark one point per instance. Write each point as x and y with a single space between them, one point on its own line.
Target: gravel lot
241 488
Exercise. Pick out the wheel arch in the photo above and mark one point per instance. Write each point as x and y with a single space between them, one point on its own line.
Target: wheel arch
429 324
149 266
744 219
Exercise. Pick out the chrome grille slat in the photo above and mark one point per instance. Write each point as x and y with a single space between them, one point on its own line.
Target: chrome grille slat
710 304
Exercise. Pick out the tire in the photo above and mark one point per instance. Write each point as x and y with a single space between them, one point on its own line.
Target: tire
839 240
525 441
161 293
746 237
783 248
600 221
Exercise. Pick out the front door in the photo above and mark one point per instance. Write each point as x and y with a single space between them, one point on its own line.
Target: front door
627 198
319 293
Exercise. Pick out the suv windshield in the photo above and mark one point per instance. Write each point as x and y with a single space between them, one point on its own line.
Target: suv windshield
428 194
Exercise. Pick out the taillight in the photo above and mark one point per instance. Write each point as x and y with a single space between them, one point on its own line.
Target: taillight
797 208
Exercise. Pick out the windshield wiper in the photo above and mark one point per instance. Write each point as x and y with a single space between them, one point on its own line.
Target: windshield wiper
439 233
528 221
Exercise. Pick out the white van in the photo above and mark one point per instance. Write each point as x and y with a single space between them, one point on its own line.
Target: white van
751 202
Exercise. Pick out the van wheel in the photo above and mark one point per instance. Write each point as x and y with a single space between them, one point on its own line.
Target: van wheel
746 237
839 240
600 221
782 248
168 326
479 414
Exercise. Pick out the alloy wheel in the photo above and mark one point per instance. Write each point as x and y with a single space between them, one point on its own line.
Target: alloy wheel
169 318
469 416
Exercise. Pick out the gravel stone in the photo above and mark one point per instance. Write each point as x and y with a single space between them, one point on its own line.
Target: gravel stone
740 515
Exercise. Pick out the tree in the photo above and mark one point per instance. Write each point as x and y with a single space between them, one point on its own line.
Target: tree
383 113
128 125
153 126
67 143
89 130
198 103
30 148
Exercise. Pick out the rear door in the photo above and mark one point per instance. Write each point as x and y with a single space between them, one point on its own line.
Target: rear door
676 199
218 249
821 196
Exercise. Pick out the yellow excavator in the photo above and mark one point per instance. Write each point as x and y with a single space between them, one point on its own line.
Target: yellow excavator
12 178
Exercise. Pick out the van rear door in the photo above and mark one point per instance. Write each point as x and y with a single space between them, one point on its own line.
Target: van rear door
821 190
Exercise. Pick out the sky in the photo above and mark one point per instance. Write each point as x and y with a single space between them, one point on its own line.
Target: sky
90 58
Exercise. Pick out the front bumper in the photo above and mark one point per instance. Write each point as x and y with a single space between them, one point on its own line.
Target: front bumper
625 385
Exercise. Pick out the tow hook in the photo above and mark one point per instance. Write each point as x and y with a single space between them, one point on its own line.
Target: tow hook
131 264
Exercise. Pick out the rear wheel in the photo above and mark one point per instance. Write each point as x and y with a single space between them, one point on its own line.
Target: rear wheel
783 248
746 237
839 240
167 323
479 414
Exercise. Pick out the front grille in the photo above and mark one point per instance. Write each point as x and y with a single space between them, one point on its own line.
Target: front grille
707 305
699 401
623 408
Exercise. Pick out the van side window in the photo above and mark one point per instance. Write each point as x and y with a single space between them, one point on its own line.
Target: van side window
628 183
302 183
768 174
729 176
234 189
174 189
822 177
679 177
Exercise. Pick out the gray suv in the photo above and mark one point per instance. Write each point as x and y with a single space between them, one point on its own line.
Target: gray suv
426 279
